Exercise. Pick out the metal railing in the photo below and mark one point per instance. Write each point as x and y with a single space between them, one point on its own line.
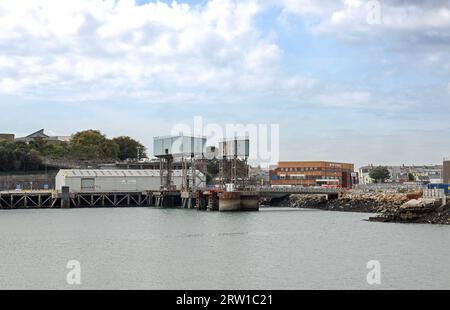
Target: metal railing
386 187
435 193
300 190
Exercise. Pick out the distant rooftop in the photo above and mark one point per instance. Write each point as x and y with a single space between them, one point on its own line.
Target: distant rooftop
114 173
40 134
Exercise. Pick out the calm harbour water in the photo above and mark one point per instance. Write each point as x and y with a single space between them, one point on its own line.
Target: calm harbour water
147 248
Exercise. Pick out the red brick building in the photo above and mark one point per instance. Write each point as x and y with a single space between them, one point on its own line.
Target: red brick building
312 173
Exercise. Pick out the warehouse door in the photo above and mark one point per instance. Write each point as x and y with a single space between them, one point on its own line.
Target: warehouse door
87 185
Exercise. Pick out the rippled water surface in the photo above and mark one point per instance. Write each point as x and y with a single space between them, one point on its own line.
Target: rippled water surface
147 248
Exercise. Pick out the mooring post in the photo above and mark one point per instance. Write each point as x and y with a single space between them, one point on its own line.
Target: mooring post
65 197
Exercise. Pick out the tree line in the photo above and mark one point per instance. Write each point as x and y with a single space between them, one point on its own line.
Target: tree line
88 145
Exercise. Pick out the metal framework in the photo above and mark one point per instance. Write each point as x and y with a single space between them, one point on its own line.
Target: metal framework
293 190
45 200
186 165
185 148
19 200
232 160
201 200
165 171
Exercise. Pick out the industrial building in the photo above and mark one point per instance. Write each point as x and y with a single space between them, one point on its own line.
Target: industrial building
178 146
119 180
312 173
258 176
41 135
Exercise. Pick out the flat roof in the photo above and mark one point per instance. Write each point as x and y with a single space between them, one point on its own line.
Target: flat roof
312 164
312 161
86 173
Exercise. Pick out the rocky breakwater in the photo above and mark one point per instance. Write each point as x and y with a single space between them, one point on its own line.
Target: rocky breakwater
350 202
391 207
421 210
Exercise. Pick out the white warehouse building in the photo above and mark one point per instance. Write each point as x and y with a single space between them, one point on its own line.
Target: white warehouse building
118 180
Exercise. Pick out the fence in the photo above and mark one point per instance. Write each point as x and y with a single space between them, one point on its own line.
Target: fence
27 182
387 187
74 164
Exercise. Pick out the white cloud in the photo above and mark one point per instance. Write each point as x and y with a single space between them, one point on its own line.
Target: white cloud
307 7
93 49
417 30
346 99
361 100
8 85
170 53
352 18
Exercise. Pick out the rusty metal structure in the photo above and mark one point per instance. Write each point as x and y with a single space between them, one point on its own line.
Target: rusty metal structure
233 157
187 150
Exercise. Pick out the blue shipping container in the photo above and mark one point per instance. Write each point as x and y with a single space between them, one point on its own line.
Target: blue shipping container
445 187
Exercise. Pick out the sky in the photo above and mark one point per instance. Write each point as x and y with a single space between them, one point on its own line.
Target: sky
366 82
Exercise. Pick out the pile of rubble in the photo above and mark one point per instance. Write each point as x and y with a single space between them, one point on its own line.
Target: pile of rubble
306 201
392 207
417 211
353 202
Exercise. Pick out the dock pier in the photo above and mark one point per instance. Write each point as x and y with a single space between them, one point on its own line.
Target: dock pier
203 200
65 199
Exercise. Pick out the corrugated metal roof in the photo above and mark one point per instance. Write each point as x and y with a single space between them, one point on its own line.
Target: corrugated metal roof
114 173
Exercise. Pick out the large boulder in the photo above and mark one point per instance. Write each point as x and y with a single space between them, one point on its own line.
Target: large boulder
421 203
413 203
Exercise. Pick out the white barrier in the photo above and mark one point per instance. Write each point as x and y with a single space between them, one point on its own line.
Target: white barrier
435 193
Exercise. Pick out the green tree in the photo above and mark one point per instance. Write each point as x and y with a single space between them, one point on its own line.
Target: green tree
129 148
18 156
93 145
411 177
380 174
212 170
38 144
51 149
32 161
